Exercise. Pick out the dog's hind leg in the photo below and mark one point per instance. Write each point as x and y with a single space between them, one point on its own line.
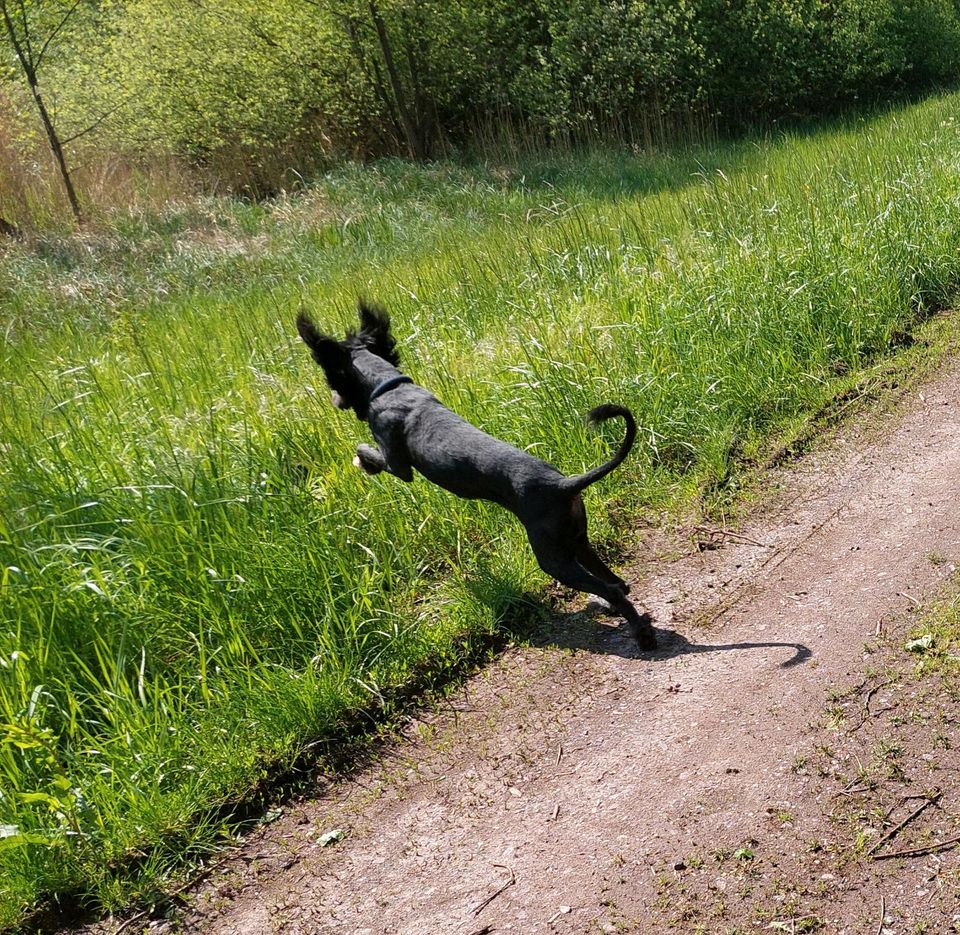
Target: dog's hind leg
567 570
596 566
585 552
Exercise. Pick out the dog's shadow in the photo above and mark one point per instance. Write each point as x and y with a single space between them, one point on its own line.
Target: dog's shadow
529 620
590 630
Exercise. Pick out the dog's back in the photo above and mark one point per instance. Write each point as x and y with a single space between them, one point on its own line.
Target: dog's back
450 452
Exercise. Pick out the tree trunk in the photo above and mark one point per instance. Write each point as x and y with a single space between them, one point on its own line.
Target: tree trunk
371 69
57 152
29 65
415 142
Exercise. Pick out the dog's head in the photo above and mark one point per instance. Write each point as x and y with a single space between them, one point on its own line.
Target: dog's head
337 358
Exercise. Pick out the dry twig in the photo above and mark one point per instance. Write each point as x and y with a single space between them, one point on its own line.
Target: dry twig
131 920
719 536
866 704
920 851
883 912
481 906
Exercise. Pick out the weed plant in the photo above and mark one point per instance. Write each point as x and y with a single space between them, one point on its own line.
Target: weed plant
195 582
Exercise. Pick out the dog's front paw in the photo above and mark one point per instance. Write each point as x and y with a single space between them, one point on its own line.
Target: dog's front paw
366 466
369 459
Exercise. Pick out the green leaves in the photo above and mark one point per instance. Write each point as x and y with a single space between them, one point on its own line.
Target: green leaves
251 90
329 838
11 837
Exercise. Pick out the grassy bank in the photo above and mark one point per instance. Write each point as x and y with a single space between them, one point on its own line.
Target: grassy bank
196 582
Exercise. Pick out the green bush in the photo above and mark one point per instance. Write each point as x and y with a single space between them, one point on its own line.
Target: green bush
251 89
789 57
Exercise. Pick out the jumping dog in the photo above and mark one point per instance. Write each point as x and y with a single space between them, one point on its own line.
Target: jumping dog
414 430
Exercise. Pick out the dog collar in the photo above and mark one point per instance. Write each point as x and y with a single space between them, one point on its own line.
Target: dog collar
388 385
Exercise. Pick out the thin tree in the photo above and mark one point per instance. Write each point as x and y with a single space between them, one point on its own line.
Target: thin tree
30 43
404 107
410 117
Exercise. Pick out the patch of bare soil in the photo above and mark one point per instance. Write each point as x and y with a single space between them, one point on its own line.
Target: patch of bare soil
574 787
871 841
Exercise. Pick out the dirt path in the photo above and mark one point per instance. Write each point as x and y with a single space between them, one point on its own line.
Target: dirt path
558 787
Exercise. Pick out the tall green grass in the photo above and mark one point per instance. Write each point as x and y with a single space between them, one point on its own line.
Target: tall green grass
196 583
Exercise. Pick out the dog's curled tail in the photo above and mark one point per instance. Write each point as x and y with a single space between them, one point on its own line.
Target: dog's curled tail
607 411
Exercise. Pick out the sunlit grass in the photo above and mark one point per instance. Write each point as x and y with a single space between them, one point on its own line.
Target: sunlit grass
196 583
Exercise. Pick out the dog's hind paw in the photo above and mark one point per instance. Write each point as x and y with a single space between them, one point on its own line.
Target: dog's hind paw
643 632
647 642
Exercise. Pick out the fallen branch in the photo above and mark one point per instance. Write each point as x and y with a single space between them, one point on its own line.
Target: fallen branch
866 704
874 690
714 535
903 801
893 832
134 918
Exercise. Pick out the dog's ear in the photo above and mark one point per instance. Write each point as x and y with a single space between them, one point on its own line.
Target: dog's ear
327 352
375 332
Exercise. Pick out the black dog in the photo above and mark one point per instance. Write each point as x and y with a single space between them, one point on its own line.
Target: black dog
414 430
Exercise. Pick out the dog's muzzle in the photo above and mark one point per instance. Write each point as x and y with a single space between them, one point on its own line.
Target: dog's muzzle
339 401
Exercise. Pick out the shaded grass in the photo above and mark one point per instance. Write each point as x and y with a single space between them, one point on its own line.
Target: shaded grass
196 583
